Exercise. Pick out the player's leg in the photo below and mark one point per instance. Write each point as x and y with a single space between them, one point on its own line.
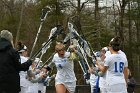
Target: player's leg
117 88
60 88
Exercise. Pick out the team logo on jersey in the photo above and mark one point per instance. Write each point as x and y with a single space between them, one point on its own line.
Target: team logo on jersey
60 66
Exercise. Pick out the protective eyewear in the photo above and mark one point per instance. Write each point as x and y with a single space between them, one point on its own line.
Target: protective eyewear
60 49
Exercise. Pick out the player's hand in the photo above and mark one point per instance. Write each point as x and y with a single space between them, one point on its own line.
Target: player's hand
43 75
90 70
72 48
97 62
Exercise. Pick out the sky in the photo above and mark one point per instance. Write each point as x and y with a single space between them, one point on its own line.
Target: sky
107 3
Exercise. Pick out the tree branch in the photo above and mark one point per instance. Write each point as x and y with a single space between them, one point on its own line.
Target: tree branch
71 3
83 4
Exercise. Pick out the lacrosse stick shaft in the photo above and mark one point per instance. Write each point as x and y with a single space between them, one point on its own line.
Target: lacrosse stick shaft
37 35
47 60
46 44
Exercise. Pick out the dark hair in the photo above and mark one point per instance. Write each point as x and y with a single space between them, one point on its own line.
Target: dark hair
21 46
115 43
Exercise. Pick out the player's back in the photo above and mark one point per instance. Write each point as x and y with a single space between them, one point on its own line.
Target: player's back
116 64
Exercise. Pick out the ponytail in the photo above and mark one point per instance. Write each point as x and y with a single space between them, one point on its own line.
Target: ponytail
115 43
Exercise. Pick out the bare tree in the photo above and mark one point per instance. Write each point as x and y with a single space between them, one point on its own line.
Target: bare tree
20 21
123 4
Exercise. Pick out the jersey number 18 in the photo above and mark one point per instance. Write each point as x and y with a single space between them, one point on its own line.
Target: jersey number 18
119 66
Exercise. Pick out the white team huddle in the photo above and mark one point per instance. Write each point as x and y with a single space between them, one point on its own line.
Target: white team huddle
34 80
113 63
109 73
30 80
111 78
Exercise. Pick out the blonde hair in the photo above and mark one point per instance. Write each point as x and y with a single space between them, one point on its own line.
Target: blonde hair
59 46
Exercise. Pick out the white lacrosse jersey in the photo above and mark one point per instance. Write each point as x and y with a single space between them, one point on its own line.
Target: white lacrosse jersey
23 74
93 80
102 80
65 68
23 59
115 64
108 53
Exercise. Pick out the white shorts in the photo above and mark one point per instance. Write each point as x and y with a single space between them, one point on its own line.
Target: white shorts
117 88
103 90
23 89
70 86
33 88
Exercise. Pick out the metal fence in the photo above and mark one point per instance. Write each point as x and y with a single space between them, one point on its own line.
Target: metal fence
83 89
137 89
79 89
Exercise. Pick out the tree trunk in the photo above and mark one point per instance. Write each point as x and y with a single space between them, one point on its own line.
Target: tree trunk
130 56
121 20
138 36
78 17
97 30
20 22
